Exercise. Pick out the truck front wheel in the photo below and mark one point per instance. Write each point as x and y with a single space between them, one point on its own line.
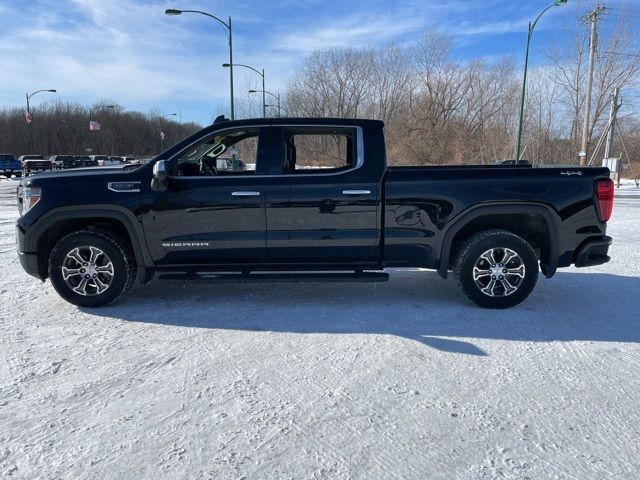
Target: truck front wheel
91 268
496 269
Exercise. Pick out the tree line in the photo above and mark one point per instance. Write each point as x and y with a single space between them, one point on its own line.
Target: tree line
442 110
437 108
63 128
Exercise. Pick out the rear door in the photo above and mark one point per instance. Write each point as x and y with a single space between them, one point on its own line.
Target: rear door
208 217
322 208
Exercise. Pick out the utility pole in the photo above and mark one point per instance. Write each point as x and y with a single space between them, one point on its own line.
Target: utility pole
613 116
592 16
612 122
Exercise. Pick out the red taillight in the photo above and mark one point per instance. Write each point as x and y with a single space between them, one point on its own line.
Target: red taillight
604 195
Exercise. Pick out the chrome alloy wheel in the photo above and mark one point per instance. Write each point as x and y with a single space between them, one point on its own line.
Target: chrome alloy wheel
498 272
87 271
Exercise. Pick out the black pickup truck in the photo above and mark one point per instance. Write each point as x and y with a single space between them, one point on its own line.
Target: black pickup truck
315 200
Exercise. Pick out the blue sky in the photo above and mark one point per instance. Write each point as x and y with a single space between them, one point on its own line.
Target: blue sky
129 52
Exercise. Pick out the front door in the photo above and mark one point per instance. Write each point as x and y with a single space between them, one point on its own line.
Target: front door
213 210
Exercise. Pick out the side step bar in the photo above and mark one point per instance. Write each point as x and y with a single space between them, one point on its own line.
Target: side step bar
213 277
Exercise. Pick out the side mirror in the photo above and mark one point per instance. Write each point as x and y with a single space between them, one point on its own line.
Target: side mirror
159 180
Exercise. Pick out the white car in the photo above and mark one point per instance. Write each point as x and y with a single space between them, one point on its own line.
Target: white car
226 164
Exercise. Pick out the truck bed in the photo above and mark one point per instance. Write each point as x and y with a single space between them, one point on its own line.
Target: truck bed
421 204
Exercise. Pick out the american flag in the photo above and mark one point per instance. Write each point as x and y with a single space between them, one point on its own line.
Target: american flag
161 135
94 125
28 117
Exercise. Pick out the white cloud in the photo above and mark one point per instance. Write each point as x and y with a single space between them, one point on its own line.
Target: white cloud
122 50
130 52
355 31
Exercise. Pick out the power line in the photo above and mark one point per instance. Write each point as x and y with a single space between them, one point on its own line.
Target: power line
624 13
623 54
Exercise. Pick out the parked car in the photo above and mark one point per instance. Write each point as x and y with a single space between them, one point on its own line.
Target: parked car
63 162
86 161
513 162
306 209
34 164
103 160
10 165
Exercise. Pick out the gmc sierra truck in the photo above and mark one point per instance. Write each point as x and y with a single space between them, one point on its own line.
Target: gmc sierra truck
315 200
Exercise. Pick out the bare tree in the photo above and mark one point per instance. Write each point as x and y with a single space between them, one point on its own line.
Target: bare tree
614 67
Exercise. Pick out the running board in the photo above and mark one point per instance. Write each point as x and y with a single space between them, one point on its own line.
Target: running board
212 277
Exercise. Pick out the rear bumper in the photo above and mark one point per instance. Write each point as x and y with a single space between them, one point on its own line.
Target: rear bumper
593 252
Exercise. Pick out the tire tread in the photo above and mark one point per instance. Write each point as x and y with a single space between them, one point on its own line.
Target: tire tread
467 251
116 241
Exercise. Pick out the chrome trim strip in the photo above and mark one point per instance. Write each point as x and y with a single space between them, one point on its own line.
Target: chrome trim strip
245 194
356 192
359 152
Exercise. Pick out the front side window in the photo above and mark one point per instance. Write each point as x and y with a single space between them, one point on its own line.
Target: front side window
318 150
230 152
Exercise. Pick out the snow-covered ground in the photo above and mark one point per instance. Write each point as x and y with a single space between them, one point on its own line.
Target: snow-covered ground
404 379
628 188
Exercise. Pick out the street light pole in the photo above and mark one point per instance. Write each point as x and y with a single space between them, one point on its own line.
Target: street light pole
52 90
261 73
280 109
233 113
524 80
264 99
228 26
263 91
161 132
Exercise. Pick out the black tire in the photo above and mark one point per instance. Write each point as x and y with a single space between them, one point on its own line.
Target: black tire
114 250
520 273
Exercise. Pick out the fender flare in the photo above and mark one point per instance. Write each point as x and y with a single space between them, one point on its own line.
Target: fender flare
550 217
144 264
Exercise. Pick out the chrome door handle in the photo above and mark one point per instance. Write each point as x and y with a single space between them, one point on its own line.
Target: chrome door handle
356 192
245 194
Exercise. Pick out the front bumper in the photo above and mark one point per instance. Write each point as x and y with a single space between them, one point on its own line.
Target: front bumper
29 261
593 252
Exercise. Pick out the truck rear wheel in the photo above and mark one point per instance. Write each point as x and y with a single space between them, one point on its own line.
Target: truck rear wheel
91 268
496 269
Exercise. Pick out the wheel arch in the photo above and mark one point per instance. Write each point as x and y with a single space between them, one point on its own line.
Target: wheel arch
56 224
536 223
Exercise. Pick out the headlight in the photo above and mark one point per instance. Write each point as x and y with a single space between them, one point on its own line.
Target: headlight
30 196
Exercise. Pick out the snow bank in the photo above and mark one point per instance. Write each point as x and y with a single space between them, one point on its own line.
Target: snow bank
399 380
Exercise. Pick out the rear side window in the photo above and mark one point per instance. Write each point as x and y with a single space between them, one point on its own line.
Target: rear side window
310 150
